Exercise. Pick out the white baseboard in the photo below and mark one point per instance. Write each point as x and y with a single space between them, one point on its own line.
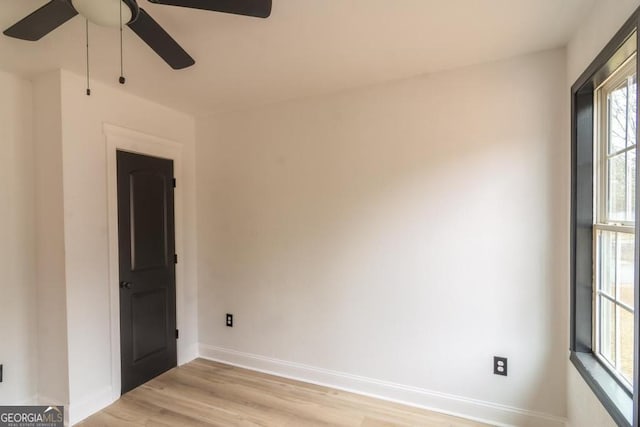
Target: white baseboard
187 354
472 409
46 400
89 405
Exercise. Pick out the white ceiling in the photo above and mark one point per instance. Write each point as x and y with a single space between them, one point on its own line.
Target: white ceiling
306 47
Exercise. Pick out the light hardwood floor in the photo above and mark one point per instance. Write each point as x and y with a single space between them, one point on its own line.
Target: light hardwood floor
204 393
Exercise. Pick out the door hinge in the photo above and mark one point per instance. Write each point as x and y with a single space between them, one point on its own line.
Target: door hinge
175 258
174 183
177 333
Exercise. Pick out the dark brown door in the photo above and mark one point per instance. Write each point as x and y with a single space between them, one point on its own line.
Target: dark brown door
146 234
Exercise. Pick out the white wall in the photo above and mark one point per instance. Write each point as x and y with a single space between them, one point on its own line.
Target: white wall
594 32
404 233
53 378
18 315
86 228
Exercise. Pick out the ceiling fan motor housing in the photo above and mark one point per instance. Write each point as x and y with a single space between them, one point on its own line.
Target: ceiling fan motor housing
106 12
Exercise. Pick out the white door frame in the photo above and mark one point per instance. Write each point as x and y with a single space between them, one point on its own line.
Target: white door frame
119 138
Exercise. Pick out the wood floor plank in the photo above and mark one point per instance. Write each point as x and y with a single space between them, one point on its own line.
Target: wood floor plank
211 394
256 399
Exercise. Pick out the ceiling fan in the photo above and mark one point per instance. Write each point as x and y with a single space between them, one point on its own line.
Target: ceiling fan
114 13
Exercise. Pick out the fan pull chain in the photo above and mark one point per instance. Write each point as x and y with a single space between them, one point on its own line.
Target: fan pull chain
122 80
87 38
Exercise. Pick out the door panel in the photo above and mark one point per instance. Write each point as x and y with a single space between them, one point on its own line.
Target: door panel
148 310
146 234
149 242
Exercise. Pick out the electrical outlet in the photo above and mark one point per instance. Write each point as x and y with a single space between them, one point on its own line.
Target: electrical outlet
500 365
230 320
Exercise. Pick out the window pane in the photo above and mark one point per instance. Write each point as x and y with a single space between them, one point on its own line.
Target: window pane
617 108
633 106
617 188
607 261
625 252
607 330
630 214
625 334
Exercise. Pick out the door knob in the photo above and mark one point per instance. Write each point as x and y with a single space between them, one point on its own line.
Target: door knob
125 285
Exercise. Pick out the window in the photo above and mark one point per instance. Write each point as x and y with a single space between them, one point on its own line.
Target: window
605 318
614 220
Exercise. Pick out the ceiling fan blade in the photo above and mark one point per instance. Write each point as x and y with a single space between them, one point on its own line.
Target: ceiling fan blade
41 22
160 41
257 8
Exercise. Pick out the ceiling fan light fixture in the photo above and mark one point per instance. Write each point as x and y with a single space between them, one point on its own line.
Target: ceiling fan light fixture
105 12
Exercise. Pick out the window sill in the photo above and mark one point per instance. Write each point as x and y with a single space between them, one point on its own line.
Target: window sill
611 394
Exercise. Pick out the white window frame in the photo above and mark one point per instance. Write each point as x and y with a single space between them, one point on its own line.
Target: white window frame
601 220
